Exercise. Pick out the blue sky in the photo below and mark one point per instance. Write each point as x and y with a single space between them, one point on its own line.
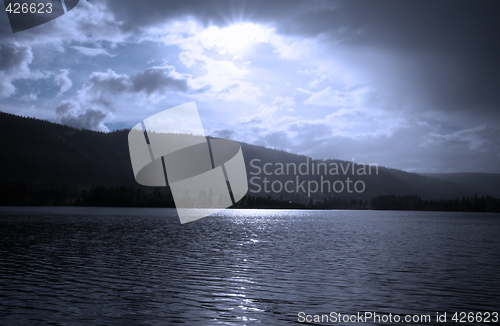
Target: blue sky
409 85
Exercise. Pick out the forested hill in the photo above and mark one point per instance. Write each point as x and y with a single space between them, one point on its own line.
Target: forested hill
47 155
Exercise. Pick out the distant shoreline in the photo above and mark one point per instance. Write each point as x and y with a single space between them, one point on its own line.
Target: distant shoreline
490 209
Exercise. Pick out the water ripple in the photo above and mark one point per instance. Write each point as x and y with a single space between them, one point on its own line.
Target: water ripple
109 266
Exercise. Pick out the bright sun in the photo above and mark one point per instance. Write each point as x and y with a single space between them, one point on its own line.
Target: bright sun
238 37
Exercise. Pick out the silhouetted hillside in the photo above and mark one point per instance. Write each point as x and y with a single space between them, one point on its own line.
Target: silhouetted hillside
387 181
483 184
55 163
45 153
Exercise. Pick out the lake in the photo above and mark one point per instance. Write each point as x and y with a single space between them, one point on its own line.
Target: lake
123 266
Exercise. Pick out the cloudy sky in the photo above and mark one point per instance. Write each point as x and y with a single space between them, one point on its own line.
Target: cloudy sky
413 85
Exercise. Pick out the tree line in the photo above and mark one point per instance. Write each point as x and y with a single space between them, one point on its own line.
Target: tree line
23 194
415 203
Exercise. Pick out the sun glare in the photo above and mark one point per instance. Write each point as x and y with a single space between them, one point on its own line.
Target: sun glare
238 37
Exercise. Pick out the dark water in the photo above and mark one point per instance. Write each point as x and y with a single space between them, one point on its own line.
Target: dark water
113 266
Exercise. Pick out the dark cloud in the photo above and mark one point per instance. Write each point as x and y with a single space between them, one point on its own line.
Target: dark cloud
158 79
70 113
14 61
14 57
109 81
65 107
90 119
92 105
445 52
149 81
224 133
220 12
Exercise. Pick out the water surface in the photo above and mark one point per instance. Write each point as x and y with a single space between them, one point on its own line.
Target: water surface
122 266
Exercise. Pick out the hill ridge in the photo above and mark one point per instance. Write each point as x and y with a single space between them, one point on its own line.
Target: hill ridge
48 154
